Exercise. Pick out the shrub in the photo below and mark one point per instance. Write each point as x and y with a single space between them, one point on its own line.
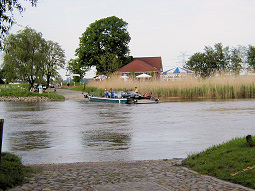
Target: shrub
12 171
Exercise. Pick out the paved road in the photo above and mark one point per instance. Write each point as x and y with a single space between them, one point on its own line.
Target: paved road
71 95
158 175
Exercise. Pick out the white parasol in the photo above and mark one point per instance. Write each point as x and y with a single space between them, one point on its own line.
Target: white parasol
144 76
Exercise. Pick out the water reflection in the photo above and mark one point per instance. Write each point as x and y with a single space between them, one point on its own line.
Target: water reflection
106 140
29 140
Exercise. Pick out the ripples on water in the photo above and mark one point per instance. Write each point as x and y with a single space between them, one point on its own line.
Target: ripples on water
81 131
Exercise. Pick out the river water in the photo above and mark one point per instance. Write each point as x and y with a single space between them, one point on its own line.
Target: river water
82 131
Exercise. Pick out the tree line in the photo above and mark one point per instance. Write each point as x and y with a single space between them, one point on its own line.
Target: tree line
220 59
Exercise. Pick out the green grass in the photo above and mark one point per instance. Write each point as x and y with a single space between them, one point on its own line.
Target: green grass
231 161
24 92
94 91
53 96
78 87
12 171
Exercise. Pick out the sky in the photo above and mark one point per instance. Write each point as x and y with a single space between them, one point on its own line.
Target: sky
172 29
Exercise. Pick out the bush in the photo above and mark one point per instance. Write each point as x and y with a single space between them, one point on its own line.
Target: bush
12 171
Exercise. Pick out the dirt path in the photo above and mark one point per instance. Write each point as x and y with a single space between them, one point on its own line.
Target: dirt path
71 95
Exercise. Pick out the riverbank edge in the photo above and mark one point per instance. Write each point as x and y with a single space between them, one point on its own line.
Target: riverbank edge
25 99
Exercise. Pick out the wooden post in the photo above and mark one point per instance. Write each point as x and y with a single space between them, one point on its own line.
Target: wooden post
249 140
1 137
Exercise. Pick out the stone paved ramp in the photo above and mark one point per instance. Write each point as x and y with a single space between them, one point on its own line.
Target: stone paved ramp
70 94
159 175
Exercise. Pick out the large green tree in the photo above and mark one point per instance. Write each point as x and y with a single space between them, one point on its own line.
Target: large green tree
25 54
104 37
7 17
30 58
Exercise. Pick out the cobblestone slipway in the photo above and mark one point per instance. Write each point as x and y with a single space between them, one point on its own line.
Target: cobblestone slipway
158 175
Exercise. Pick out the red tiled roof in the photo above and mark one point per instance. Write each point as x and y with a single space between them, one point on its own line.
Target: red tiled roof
143 64
154 61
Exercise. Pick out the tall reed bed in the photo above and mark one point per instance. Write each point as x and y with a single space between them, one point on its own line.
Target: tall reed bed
223 87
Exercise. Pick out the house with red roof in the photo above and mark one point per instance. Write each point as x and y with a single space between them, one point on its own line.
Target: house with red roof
142 65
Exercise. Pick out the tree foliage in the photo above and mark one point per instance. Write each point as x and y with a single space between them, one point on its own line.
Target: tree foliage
1 76
235 65
109 63
216 60
251 56
30 58
104 40
6 15
55 59
25 55
77 68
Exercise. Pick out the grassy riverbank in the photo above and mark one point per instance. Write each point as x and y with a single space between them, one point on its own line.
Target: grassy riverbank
13 91
231 161
224 87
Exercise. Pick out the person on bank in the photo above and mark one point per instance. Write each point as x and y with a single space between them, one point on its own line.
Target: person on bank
40 89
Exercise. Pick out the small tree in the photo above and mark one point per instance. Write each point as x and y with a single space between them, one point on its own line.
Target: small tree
222 57
77 68
235 65
55 59
197 63
251 56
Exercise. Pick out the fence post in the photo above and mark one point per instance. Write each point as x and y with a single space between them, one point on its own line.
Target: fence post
1 137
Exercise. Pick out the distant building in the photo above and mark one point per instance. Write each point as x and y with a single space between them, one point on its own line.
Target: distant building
177 73
142 65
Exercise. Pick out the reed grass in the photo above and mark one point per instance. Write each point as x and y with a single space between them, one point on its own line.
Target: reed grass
222 87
